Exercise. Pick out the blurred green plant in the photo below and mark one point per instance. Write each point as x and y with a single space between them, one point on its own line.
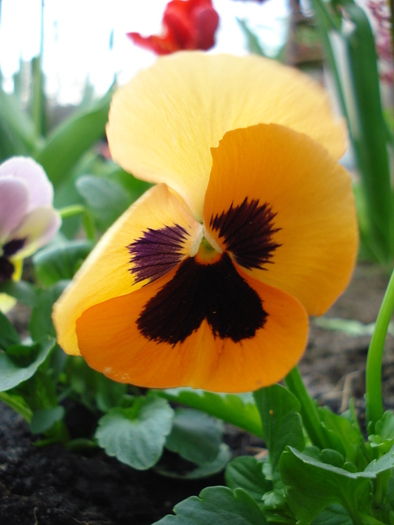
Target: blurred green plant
349 45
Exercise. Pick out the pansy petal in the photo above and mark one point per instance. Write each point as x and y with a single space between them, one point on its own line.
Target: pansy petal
36 229
112 341
14 201
146 242
163 123
284 209
29 171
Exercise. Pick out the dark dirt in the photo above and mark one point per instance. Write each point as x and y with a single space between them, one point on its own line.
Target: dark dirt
53 486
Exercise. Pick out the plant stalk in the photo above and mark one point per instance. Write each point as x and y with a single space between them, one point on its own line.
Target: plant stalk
309 413
373 376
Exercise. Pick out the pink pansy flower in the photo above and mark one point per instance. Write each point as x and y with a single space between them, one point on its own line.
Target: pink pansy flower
28 220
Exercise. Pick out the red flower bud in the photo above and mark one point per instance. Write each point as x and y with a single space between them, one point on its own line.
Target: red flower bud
187 24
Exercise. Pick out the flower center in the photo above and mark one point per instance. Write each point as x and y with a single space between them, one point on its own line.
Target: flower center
207 254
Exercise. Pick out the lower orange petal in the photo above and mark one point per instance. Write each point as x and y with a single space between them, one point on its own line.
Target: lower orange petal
111 342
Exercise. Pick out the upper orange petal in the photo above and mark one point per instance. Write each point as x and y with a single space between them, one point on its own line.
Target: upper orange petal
284 208
163 123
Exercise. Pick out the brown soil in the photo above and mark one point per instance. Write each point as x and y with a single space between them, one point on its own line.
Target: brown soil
53 486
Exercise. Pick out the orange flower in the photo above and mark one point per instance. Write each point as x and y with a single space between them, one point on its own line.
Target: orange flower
208 279
187 24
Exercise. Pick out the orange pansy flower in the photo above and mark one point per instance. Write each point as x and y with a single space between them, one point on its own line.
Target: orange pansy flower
208 279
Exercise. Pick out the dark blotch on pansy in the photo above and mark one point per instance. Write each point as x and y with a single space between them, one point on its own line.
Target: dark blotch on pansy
247 231
12 247
6 269
215 292
156 252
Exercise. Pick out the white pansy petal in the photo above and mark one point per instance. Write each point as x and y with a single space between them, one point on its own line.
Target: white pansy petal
28 170
38 227
14 202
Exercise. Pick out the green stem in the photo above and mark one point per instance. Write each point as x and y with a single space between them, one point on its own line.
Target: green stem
87 218
373 376
309 413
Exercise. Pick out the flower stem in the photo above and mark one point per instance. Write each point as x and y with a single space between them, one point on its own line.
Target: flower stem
309 413
88 222
373 376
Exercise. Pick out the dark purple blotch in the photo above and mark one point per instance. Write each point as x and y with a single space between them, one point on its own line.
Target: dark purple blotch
9 249
215 292
247 231
157 252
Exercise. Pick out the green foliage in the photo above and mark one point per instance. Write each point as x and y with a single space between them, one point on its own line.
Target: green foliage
252 41
246 472
136 435
60 261
40 324
45 418
384 437
317 479
106 198
195 471
19 363
66 144
195 436
218 505
238 410
333 515
94 390
350 49
8 334
344 436
279 411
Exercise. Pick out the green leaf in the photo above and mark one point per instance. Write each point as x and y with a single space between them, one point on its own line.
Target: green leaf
390 490
203 470
314 484
12 375
40 324
8 333
384 463
368 127
106 198
71 139
384 433
216 505
237 409
333 515
344 437
246 472
94 389
60 262
17 403
132 186
279 410
136 436
108 393
37 106
17 132
252 41
23 291
195 436
44 419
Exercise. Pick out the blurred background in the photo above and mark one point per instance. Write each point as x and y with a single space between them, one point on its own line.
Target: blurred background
84 41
